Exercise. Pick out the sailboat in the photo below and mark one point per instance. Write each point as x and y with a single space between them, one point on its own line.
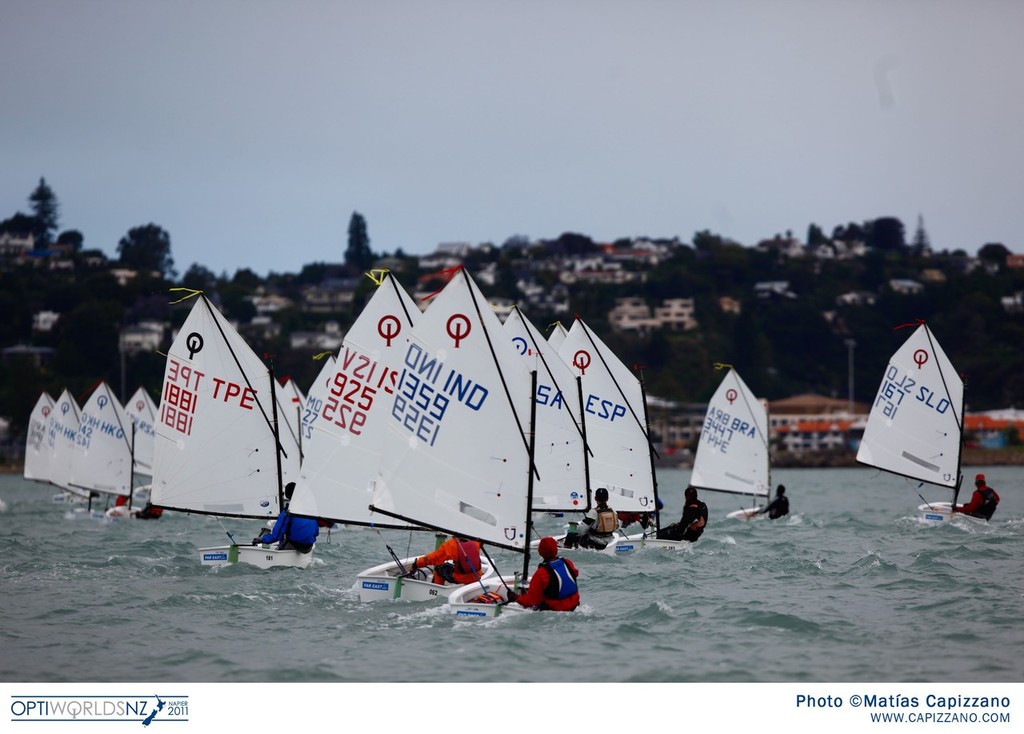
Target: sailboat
457 451
142 412
343 440
61 431
561 452
102 461
291 404
915 427
37 451
614 412
733 453
219 449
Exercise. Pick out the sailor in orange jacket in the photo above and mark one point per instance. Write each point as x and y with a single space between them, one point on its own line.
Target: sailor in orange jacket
456 561
553 585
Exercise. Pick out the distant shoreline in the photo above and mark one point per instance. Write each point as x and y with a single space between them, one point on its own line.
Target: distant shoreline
848 459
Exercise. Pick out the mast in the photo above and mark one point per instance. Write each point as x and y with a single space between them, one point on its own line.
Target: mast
131 473
277 438
530 472
650 453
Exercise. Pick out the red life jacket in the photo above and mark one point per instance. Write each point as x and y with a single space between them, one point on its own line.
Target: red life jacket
469 557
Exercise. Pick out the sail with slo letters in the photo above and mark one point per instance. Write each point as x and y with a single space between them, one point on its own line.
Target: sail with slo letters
915 424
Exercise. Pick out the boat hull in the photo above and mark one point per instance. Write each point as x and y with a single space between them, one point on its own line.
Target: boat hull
462 605
750 513
939 513
254 555
385 582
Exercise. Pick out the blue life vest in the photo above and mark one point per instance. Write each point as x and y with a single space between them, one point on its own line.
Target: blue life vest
561 584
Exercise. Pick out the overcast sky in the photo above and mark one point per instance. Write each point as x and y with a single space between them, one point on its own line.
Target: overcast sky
251 130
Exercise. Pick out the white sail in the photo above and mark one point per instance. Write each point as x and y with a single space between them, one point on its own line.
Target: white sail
342 453
559 453
37 449
557 335
732 455
291 402
614 417
313 405
916 421
455 455
103 454
142 412
61 431
215 450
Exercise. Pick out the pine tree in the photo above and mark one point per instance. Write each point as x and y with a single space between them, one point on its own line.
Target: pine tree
920 244
358 254
45 207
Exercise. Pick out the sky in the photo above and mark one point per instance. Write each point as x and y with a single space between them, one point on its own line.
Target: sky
252 130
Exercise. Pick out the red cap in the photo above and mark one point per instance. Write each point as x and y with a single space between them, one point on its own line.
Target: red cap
548 548
980 478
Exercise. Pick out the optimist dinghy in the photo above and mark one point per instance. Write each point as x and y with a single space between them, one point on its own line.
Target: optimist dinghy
218 448
915 427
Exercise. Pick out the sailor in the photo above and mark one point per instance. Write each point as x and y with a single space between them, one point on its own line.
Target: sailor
599 523
691 525
553 585
983 502
778 506
455 561
291 532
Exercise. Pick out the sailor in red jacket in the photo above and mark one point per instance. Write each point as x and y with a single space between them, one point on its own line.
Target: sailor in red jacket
553 585
983 501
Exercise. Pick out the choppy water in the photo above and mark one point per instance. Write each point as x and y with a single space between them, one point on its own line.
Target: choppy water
850 587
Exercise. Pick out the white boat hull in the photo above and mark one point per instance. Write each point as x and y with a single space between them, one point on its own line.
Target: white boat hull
659 543
120 512
255 555
750 513
386 583
939 512
620 545
462 604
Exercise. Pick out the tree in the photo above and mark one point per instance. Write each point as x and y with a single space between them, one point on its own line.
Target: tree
358 254
886 234
994 252
45 207
147 248
71 238
920 244
815 236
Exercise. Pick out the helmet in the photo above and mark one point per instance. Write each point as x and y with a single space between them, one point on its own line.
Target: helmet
548 548
601 495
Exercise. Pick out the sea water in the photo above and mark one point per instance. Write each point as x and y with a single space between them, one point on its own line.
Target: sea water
849 587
